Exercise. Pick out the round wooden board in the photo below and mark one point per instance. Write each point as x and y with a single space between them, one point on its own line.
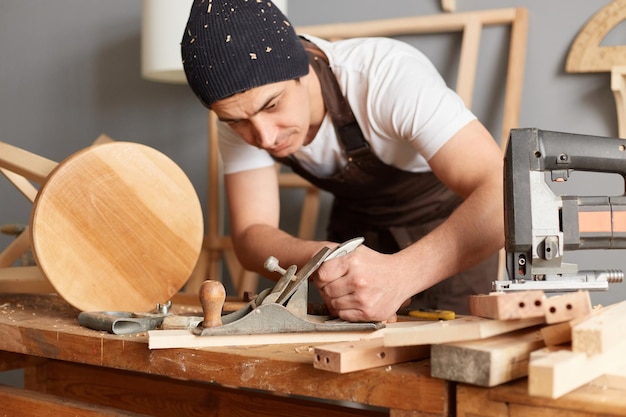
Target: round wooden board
117 227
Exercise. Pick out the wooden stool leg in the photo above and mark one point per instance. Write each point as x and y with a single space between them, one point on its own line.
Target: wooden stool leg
29 165
15 249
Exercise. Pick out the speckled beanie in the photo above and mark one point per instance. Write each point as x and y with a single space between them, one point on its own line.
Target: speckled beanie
233 46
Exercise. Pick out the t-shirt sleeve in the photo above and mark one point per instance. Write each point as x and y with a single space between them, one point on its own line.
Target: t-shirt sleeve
412 100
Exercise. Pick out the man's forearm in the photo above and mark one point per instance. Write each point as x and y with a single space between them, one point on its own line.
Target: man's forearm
471 234
254 245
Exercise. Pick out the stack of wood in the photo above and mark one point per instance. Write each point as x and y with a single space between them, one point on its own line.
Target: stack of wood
559 342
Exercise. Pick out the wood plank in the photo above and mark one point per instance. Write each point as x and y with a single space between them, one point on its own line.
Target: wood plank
487 362
508 306
464 328
45 326
553 373
164 339
136 392
561 333
438 23
591 400
618 86
568 306
11 361
347 357
602 331
473 401
20 402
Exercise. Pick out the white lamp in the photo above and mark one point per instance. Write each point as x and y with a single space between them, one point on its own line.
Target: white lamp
162 26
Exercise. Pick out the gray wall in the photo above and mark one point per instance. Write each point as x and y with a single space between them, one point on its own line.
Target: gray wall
70 71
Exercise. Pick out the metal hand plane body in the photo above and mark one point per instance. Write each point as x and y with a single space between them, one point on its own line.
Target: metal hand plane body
281 309
541 226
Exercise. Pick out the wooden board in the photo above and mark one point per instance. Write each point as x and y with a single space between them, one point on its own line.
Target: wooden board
568 306
117 227
347 357
554 373
561 333
21 402
487 362
508 306
602 331
599 349
163 339
464 328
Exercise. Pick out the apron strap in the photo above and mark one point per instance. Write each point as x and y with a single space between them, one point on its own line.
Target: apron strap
347 128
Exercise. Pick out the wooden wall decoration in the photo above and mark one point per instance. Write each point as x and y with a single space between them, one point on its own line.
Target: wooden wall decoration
588 55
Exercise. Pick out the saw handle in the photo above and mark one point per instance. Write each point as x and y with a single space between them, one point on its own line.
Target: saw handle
212 297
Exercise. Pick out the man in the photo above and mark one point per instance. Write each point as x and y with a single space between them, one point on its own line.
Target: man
372 122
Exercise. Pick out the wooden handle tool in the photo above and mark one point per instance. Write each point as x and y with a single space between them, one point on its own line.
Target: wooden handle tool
212 297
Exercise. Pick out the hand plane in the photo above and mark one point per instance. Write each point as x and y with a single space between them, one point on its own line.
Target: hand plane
541 226
281 309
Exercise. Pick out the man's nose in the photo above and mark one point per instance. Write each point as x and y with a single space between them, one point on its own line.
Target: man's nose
264 133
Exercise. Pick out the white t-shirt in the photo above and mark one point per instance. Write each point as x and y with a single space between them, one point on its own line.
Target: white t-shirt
402 104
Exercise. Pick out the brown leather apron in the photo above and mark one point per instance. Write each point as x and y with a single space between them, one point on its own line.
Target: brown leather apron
390 207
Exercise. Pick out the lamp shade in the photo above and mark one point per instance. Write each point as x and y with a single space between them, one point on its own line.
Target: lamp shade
162 26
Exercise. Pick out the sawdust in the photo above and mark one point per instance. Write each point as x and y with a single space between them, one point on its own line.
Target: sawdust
303 349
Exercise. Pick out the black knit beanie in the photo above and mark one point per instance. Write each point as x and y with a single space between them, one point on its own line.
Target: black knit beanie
233 46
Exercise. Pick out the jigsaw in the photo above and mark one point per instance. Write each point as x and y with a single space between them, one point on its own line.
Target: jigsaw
541 226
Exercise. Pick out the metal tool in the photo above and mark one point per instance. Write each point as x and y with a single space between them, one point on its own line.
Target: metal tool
121 322
540 226
281 309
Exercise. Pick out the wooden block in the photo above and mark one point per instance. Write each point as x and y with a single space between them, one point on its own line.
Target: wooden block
560 333
601 332
347 357
567 306
508 306
553 373
463 328
487 362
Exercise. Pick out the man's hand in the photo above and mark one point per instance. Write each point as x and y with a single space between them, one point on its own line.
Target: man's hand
361 286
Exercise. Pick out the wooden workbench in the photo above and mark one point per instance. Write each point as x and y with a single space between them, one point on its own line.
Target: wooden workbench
74 368
77 371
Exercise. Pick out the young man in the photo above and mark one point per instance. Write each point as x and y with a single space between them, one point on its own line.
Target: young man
372 122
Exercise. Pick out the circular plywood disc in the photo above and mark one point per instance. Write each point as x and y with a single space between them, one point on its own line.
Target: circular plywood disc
117 227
